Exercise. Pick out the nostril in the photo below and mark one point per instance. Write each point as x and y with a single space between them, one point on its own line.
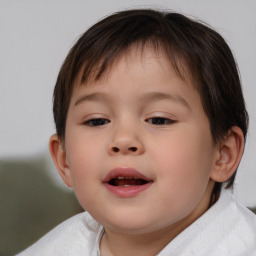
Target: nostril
115 149
129 149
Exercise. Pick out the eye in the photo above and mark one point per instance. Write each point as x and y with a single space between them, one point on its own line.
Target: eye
160 121
96 122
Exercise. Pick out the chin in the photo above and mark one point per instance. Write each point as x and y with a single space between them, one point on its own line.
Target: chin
132 226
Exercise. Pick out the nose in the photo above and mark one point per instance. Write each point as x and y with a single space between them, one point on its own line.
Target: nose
126 141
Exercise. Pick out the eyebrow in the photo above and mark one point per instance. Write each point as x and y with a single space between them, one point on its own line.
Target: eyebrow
155 96
151 96
90 97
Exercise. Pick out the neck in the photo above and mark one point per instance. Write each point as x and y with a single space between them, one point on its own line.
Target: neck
114 244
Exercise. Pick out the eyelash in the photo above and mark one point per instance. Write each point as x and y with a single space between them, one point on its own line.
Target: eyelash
96 122
160 121
154 121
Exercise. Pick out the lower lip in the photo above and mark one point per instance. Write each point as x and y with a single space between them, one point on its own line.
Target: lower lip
129 191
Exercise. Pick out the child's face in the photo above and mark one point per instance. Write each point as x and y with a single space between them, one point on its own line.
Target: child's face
140 118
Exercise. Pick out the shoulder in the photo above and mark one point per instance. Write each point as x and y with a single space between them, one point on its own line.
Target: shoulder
75 236
227 228
237 225
232 226
245 224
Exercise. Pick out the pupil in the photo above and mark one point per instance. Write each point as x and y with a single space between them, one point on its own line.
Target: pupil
158 120
99 121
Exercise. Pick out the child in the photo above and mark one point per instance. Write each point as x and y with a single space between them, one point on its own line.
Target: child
151 124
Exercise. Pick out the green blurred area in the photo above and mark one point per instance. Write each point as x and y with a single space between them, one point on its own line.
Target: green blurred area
30 203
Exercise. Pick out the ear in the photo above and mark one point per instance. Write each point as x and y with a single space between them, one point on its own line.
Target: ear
229 154
60 160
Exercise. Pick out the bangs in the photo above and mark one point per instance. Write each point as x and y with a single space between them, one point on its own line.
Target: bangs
94 69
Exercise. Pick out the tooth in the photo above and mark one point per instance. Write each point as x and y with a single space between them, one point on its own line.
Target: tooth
127 178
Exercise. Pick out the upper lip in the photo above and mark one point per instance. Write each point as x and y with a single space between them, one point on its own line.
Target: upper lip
125 172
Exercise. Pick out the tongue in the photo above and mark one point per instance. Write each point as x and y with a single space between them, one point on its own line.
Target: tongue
127 182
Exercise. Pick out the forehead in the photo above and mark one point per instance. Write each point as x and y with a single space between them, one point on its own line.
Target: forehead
144 71
139 53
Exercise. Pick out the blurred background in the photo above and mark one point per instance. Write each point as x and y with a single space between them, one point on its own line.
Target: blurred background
35 37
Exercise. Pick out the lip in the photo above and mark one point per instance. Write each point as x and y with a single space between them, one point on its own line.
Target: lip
126 191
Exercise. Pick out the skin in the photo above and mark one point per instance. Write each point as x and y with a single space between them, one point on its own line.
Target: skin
151 120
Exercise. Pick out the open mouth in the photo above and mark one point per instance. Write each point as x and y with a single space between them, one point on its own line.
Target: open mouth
126 182
122 181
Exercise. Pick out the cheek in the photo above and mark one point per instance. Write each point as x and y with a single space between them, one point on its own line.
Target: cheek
185 159
83 166
83 159
82 149
184 169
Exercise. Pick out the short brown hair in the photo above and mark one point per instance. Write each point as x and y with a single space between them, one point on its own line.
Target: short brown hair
186 43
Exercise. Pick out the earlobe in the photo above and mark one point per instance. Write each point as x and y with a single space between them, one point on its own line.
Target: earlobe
229 154
59 158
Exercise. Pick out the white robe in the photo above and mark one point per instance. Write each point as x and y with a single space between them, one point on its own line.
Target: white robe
226 229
